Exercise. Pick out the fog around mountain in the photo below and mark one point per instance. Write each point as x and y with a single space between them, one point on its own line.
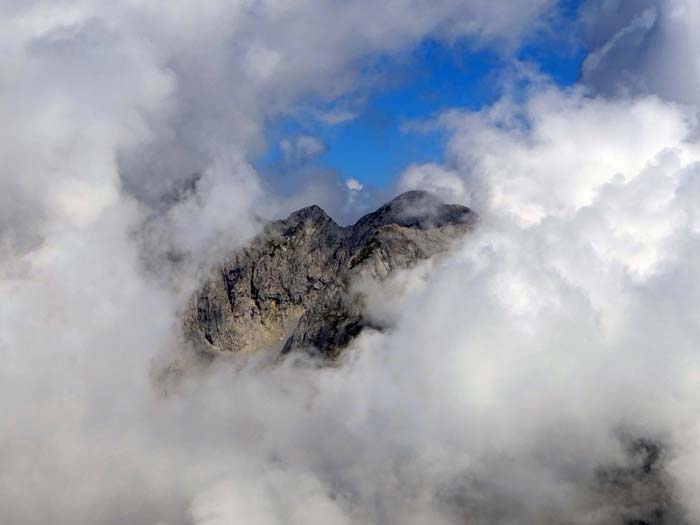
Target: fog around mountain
544 372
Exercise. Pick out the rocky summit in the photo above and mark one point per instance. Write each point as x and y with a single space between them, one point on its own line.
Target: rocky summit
290 288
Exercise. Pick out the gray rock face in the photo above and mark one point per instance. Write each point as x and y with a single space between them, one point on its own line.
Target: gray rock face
290 287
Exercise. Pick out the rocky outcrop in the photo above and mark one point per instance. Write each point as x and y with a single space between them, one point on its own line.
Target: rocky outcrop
290 288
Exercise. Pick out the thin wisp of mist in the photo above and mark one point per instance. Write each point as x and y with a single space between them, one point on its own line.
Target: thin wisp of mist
542 370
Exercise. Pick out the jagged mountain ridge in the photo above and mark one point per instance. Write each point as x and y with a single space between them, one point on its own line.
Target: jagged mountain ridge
291 286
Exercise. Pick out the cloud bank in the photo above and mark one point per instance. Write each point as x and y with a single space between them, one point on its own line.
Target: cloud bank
516 370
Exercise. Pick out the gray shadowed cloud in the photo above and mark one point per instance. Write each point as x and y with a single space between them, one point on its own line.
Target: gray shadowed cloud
648 46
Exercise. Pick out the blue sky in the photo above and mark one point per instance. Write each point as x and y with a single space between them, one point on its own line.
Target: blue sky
375 146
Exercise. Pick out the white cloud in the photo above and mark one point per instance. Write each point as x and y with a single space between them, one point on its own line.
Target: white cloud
558 316
107 107
563 129
512 366
441 181
353 185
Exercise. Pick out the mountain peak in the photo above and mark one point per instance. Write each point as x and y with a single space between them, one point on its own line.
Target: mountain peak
312 212
417 209
290 289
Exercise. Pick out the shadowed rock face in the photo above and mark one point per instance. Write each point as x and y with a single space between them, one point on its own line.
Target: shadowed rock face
290 287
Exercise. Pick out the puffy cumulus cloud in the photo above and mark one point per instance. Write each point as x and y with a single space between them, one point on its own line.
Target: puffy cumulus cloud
558 319
353 185
128 129
647 46
526 160
66 111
